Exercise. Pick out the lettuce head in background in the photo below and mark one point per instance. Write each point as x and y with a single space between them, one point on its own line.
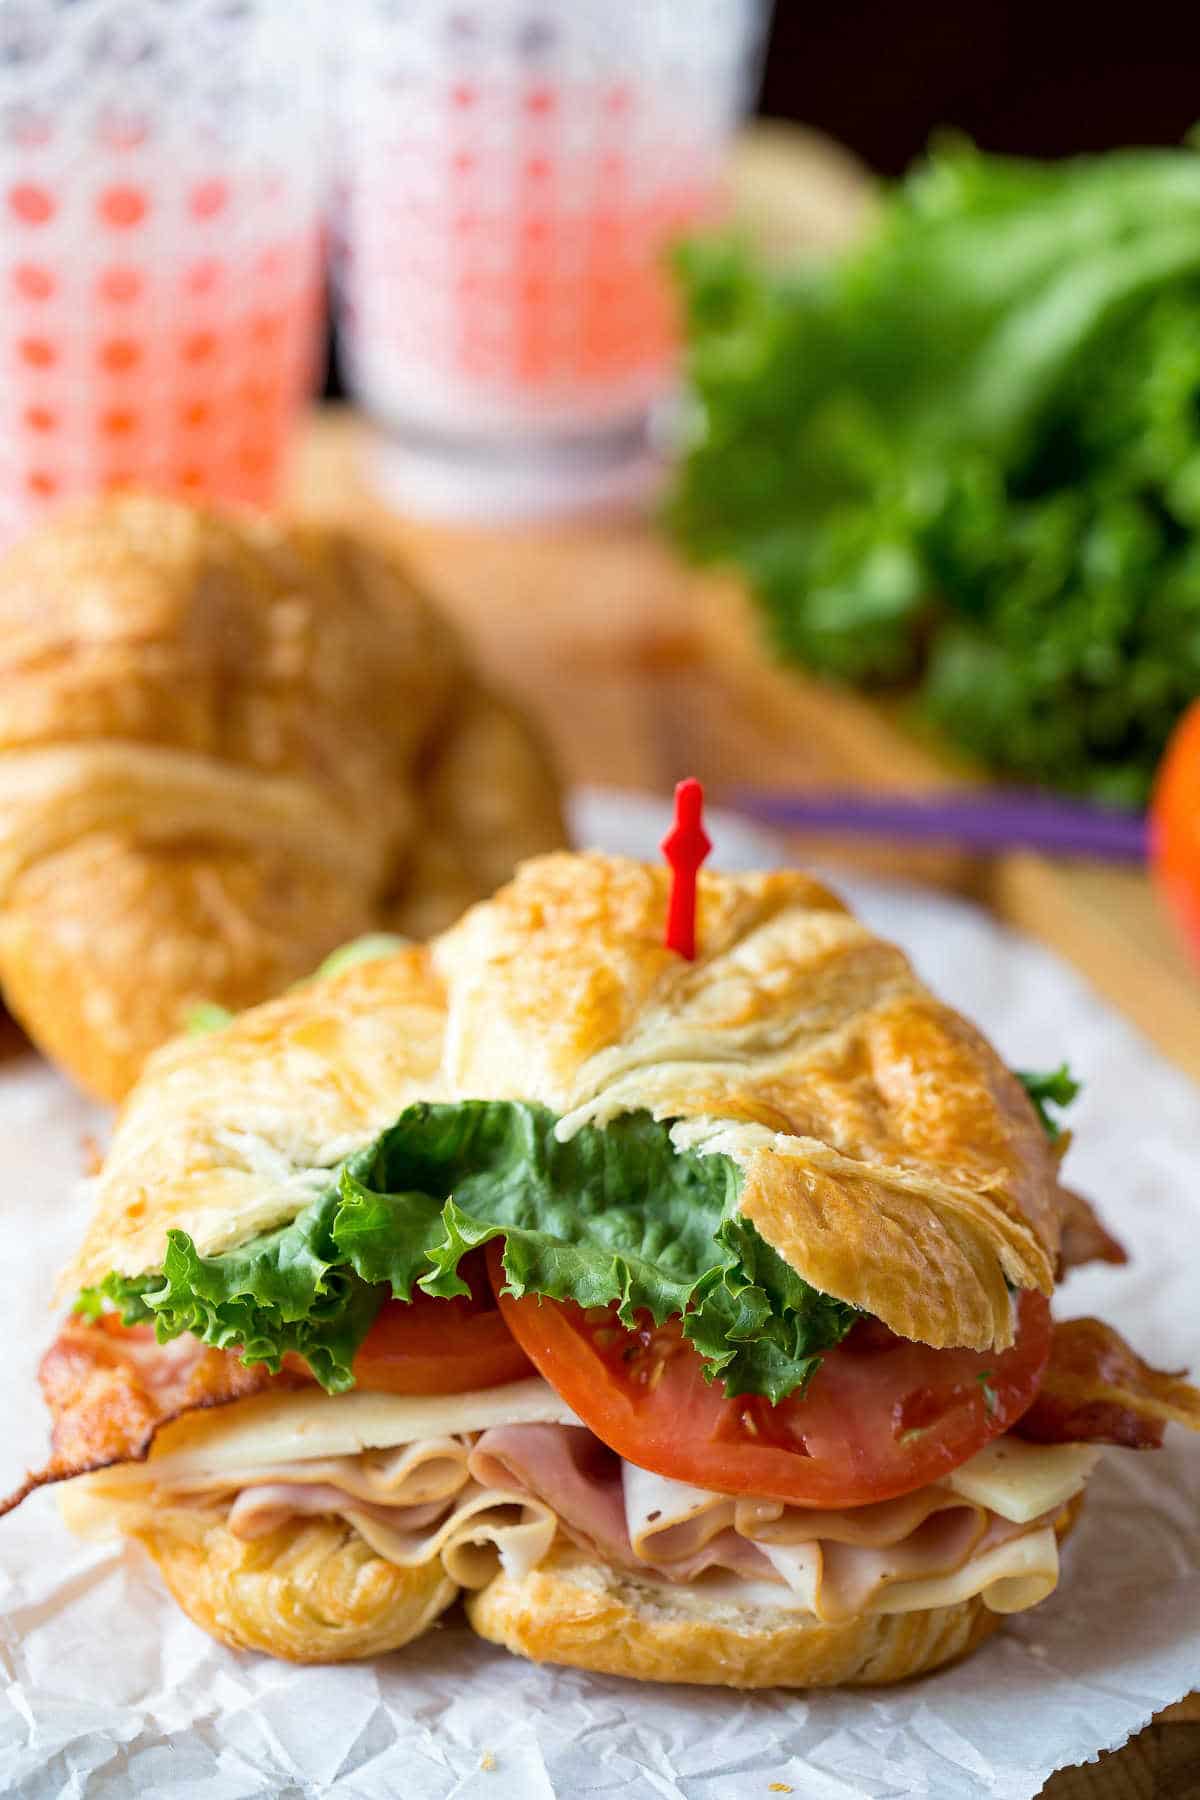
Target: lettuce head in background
966 457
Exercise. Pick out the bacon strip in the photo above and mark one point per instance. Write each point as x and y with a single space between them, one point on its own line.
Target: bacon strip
110 1388
1084 1238
1097 1390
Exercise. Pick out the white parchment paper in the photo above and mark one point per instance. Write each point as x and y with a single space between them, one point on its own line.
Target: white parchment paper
108 1690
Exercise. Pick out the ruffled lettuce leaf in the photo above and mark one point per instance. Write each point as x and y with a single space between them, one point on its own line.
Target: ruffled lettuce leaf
1048 1088
611 1215
965 457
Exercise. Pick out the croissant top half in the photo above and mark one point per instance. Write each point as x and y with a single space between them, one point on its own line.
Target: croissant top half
886 1151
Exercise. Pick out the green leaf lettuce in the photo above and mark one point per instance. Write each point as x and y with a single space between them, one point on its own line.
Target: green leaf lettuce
967 456
1048 1088
613 1214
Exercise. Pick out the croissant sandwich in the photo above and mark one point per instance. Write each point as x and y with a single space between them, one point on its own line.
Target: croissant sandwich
690 1318
228 745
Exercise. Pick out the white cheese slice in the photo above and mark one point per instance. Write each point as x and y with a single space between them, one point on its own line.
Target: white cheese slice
285 1428
1022 1481
1018 1481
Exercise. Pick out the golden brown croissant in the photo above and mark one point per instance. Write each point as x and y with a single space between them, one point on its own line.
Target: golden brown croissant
227 747
317 1594
887 1151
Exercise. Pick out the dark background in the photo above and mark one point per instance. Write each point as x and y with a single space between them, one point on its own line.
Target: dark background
1030 77
1035 77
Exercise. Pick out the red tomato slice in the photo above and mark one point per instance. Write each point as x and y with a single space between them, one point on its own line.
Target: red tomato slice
429 1346
881 1417
1175 824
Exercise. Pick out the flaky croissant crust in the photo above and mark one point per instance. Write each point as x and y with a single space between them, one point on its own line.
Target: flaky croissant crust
887 1151
310 1592
583 1614
226 747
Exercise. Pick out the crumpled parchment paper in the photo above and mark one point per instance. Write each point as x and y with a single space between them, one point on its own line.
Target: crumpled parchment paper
109 1690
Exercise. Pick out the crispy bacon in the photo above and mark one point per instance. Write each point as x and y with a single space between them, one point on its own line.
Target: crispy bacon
110 1388
1084 1238
1096 1390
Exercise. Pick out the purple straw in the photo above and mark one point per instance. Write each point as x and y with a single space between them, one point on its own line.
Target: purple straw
986 819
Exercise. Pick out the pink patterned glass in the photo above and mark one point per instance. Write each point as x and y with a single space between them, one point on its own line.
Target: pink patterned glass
511 174
159 246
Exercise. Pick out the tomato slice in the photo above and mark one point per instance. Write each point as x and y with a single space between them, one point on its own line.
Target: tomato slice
881 1416
430 1346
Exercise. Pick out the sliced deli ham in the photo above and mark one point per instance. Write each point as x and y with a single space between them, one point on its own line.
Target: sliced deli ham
567 1469
584 1485
839 1564
1098 1390
500 1496
474 1531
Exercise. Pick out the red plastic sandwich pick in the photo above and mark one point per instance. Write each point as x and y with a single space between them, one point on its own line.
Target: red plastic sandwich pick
685 847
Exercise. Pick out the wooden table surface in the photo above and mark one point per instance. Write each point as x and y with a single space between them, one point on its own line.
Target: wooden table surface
642 671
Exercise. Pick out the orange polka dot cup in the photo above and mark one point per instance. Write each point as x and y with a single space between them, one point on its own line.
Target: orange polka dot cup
511 173
160 192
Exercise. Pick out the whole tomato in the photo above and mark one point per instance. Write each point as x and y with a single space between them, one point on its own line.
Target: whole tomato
1175 824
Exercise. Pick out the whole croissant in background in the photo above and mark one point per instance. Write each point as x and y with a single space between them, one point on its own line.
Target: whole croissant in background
226 747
